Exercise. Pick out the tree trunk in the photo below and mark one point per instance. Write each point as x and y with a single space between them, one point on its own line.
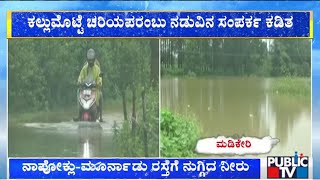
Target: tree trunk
146 125
166 53
180 44
133 118
170 54
124 105
154 63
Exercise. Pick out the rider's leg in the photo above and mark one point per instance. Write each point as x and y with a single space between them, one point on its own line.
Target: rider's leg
79 108
79 113
78 118
100 107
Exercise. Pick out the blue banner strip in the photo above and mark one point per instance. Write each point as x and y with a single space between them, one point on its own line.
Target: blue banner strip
134 168
159 24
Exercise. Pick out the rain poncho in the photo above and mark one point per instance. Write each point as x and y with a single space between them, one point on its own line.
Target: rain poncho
89 74
96 62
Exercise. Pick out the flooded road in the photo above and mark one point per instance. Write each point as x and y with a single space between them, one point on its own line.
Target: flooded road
243 106
64 139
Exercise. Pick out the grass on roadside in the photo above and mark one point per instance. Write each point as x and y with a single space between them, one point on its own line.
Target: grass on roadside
179 135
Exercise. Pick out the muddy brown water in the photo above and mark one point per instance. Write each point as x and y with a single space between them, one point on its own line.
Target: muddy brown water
243 106
64 139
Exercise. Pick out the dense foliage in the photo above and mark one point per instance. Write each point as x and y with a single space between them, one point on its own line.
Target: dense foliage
236 57
129 144
179 135
43 76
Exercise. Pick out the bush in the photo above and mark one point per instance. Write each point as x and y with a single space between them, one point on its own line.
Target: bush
171 71
299 87
179 135
128 145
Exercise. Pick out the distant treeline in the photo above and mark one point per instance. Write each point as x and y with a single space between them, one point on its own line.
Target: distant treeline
236 57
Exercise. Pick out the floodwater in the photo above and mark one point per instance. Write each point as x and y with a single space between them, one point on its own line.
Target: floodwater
242 106
64 139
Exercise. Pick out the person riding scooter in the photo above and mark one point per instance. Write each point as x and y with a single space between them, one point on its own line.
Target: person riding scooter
91 72
101 94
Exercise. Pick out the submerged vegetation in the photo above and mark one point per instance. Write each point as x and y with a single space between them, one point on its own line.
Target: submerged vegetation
179 135
297 87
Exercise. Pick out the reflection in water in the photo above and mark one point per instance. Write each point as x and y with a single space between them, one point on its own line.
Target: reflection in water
86 150
243 106
90 139
267 118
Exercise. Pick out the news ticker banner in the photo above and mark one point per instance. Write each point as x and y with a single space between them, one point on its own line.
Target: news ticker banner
296 166
134 168
135 24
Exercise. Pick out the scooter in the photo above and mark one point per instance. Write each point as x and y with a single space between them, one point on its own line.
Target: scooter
87 99
89 127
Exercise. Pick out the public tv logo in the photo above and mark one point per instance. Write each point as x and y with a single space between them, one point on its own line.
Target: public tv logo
287 167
